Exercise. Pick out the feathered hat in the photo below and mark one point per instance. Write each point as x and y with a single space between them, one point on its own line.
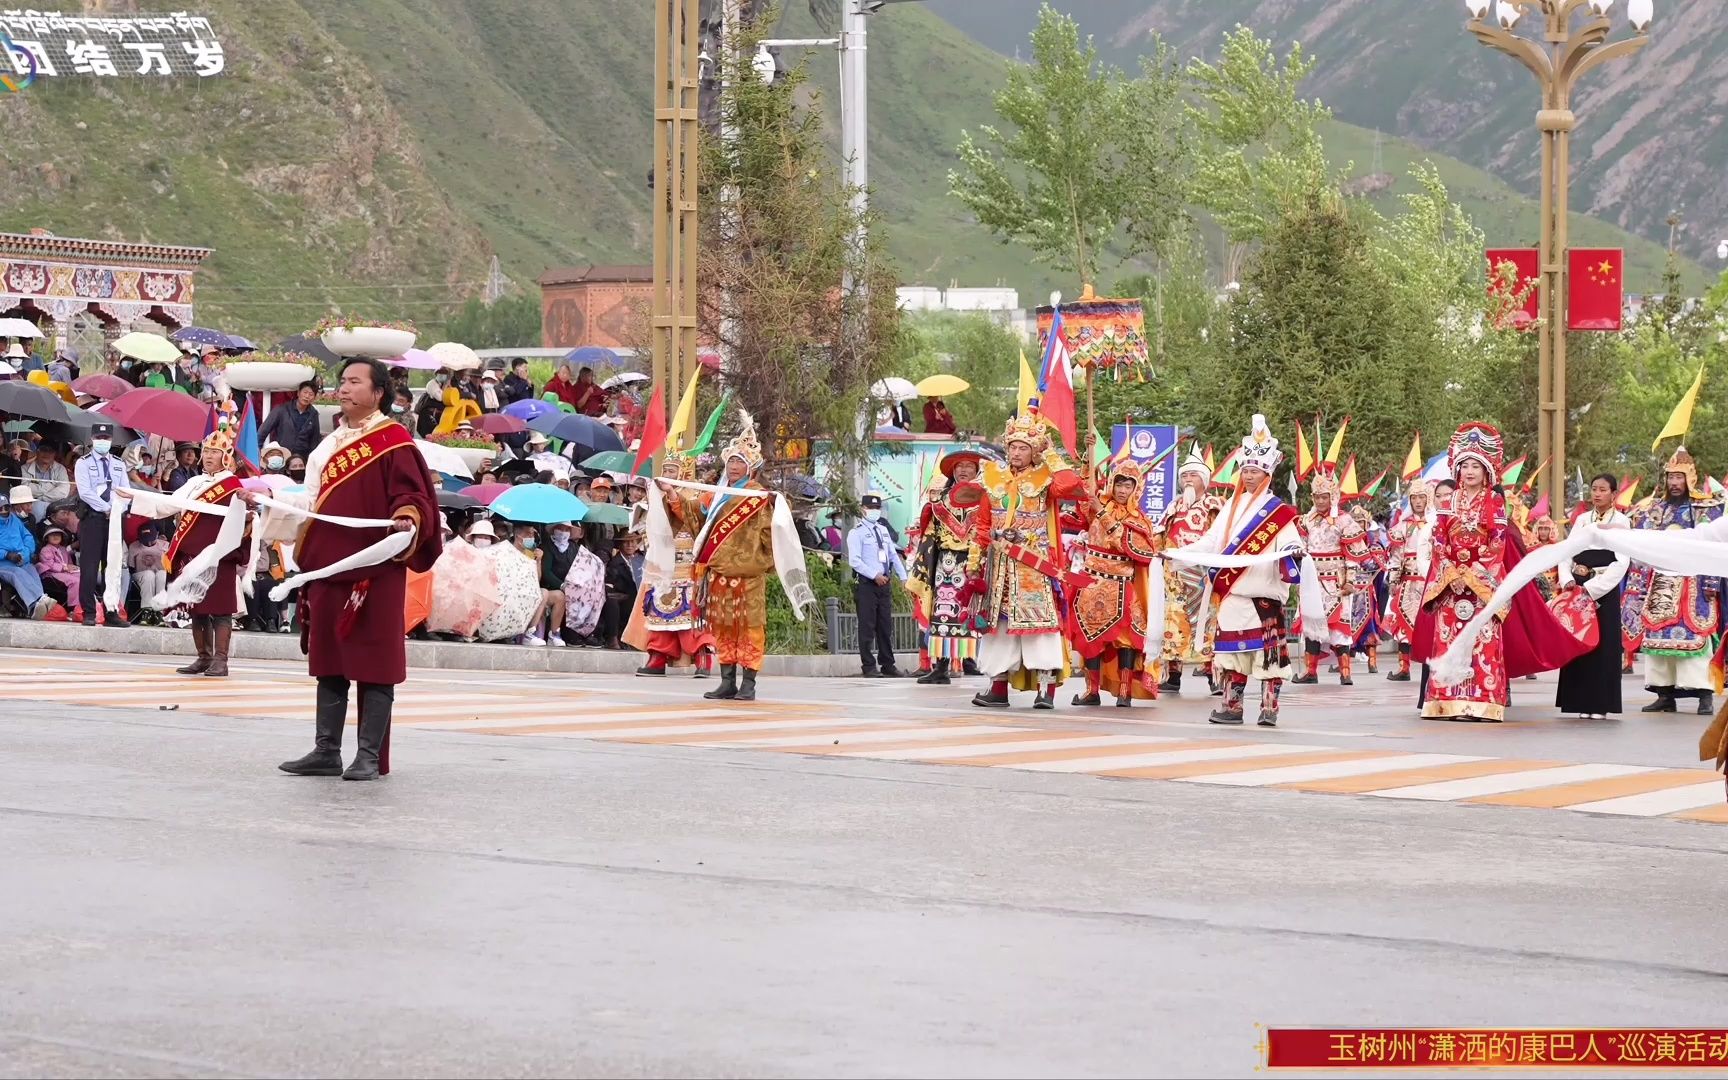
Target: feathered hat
1194 463
1325 480
1027 429
1682 462
222 439
744 446
1260 447
1478 442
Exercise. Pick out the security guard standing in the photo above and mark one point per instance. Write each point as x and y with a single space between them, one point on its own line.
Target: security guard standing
99 474
873 555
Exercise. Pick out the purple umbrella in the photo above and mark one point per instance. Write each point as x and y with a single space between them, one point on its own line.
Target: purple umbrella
591 356
199 335
531 409
416 359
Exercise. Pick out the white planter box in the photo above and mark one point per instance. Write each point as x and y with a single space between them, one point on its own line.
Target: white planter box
369 341
248 376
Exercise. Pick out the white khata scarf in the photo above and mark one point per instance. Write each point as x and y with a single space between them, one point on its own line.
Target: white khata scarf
788 552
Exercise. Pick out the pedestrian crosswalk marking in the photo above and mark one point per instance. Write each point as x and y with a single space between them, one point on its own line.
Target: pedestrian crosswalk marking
889 730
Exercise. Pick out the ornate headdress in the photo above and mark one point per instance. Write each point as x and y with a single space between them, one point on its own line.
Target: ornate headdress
1194 463
1127 469
221 440
1325 480
1260 447
744 446
1422 488
1682 462
1478 442
1027 429
678 467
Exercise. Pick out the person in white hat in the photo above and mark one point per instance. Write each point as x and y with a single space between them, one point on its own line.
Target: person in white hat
490 399
18 551
545 460
481 534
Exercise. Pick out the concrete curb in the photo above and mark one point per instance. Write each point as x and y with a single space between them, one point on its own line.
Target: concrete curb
448 655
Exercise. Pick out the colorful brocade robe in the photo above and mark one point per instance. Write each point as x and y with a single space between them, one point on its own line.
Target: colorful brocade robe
1663 614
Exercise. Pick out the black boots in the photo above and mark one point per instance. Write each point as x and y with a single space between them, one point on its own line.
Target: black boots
221 633
1172 683
373 756
747 688
1706 703
332 712
994 698
1664 700
201 630
938 674
728 687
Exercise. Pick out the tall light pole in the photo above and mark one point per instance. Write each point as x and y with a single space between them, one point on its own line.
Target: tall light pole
677 82
1565 49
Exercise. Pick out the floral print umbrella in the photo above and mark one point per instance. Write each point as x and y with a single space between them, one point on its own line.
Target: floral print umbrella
464 590
518 593
584 592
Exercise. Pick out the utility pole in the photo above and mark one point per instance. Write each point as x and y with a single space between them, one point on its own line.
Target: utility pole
495 283
677 89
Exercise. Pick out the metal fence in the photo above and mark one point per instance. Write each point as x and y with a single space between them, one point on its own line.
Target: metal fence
843 630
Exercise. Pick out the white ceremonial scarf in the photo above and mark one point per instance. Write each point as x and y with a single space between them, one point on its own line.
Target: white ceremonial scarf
788 552
194 580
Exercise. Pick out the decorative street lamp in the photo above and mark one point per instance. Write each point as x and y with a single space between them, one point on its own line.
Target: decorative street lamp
1565 48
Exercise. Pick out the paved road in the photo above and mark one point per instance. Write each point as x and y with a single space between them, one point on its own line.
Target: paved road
584 875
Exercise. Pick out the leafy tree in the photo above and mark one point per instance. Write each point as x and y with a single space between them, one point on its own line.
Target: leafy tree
512 322
1092 159
778 235
977 349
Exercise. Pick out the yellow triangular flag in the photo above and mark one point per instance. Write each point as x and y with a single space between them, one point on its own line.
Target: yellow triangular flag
1681 421
1413 460
685 418
1337 447
1028 386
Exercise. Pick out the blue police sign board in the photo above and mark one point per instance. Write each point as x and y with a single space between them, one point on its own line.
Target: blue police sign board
1146 442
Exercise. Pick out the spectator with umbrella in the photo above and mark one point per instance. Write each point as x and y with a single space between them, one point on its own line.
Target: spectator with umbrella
294 424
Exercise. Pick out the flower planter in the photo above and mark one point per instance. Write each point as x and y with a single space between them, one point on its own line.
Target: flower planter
245 377
376 342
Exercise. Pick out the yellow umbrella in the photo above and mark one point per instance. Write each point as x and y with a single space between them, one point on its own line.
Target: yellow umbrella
149 348
942 386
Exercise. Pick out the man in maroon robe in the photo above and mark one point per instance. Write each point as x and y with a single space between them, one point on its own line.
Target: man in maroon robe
213 613
352 620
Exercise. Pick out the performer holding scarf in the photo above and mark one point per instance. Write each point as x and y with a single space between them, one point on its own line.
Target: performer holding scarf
953 534
354 580
1022 646
1107 619
212 614
1337 547
1185 522
1251 635
1412 546
734 553
666 624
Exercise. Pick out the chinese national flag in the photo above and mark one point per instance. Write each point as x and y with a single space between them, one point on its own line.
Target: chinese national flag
1594 277
1518 318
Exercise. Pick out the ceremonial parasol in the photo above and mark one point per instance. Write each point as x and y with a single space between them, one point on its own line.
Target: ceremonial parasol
167 413
149 348
102 385
499 424
942 385
538 504
1098 333
464 590
530 409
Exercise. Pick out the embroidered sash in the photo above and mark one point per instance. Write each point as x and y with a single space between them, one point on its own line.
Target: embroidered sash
214 494
733 516
1254 538
352 459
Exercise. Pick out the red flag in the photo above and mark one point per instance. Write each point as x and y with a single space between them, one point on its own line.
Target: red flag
1056 400
1521 317
1594 299
653 430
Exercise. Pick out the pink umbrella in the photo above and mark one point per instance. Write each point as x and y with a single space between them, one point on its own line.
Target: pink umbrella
167 413
485 493
102 385
415 359
271 482
499 424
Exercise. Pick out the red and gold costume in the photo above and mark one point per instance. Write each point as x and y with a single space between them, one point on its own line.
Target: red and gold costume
667 625
948 545
213 613
734 554
1107 618
1022 645
1338 547
1185 521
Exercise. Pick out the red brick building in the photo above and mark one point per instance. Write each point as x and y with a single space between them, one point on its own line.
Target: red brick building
595 305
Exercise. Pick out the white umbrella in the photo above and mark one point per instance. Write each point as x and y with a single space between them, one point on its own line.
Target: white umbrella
456 356
624 379
19 328
894 389
443 459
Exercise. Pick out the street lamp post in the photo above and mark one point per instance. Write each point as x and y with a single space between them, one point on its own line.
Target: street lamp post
1566 49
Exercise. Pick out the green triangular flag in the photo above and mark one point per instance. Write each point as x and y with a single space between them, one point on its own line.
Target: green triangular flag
712 425
1100 450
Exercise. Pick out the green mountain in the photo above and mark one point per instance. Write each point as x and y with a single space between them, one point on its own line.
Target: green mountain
374 156
1650 140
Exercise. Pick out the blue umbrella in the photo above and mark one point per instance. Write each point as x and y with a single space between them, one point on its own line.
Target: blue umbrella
200 335
540 504
591 436
591 355
236 343
528 410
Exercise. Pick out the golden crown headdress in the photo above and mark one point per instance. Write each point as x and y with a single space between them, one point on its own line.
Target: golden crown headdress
1478 442
1681 462
744 445
1029 429
678 466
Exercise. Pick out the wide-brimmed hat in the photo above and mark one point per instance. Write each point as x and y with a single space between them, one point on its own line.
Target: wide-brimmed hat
538 439
949 461
482 528
968 493
22 495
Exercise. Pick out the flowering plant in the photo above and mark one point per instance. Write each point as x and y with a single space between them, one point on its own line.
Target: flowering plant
355 322
467 440
272 356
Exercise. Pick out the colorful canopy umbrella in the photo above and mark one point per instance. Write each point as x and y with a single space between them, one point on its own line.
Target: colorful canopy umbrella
539 504
942 385
150 348
499 424
464 590
530 409
166 413
102 385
